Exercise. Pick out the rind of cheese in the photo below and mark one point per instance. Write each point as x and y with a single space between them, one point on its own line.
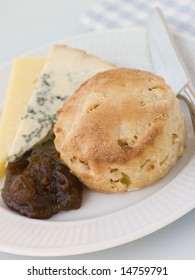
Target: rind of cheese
64 71
24 75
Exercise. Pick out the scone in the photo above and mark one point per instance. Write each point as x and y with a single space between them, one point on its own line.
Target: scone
122 130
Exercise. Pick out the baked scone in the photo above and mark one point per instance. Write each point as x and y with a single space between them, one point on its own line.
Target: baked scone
122 130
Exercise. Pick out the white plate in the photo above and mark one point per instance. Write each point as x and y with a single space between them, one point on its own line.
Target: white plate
106 221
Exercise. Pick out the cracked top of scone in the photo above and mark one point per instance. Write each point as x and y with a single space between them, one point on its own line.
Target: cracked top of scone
122 130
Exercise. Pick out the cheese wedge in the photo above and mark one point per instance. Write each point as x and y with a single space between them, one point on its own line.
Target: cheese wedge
64 71
24 75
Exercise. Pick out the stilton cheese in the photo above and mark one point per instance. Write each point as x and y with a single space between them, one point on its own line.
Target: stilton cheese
64 71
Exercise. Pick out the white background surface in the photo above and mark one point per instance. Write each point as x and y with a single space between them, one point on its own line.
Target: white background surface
27 24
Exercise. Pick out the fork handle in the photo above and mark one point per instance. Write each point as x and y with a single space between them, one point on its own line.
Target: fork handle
188 96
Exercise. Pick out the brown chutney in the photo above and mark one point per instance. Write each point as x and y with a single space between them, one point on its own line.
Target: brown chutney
40 186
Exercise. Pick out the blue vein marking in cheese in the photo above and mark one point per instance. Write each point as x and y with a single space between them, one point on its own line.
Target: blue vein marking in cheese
38 113
39 118
64 71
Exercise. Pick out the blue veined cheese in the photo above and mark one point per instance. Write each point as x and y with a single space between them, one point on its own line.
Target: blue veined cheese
64 71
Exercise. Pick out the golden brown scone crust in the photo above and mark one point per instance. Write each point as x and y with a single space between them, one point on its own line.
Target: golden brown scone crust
122 130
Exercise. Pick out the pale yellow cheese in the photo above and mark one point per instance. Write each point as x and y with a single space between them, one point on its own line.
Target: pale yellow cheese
24 75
